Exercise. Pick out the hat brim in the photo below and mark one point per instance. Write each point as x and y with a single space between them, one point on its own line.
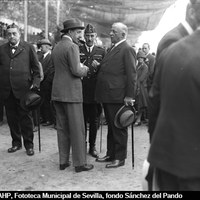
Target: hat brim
45 43
30 101
120 112
75 27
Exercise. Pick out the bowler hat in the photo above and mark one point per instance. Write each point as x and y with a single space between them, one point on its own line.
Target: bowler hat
72 24
125 116
45 41
31 100
90 29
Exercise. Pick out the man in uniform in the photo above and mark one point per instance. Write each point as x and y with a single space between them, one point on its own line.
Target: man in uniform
91 56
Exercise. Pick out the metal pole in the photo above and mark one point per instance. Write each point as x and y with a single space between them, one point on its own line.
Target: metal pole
25 19
58 13
46 18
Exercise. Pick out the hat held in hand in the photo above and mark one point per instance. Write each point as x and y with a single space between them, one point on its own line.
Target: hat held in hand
31 100
125 116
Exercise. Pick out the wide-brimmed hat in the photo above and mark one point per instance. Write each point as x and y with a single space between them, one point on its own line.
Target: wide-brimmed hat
45 41
72 24
31 100
125 116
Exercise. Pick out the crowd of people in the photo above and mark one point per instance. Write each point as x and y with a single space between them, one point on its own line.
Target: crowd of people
78 81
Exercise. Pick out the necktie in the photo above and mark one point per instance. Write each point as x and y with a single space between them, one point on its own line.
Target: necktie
13 49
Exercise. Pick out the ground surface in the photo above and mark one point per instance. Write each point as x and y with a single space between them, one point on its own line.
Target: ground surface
40 172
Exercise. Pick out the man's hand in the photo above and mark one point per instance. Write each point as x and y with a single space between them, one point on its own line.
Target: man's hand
95 64
129 101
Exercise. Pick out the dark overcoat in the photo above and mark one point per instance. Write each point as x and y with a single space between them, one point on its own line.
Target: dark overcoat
19 70
175 146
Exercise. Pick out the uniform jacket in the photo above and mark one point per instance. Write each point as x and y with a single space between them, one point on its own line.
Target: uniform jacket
171 37
116 78
67 86
19 70
89 82
175 145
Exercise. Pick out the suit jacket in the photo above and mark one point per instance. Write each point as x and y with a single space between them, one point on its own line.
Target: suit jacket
175 146
89 82
48 70
116 78
171 37
67 86
19 70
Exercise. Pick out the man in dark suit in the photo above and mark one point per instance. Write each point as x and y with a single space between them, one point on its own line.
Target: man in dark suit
91 55
47 110
150 62
116 84
183 29
19 69
175 146
67 97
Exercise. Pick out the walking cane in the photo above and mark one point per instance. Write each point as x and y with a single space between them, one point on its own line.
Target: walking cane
38 123
101 130
132 138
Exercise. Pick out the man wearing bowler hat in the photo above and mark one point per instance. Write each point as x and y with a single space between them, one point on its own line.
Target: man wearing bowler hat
116 82
91 55
67 97
19 69
46 109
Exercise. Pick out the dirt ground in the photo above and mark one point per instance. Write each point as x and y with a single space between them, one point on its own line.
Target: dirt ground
40 172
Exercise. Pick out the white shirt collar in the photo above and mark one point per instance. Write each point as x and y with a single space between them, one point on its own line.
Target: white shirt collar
66 36
45 54
91 48
119 42
187 27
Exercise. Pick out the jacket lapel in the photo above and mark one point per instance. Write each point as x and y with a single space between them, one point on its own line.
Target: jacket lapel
18 50
113 52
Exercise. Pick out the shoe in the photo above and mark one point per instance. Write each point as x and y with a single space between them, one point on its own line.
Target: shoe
85 167
115 164
13 149
93 152
1 123
104 159
30 152
48 123
63 166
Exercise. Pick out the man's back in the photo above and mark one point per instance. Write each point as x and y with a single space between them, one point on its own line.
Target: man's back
175 146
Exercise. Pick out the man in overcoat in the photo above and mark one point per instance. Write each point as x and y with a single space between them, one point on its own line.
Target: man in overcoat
68 98
185 28
19 71
116 84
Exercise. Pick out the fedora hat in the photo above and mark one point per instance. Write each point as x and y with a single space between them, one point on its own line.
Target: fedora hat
125 116
45 41
31 100
141 54
72 24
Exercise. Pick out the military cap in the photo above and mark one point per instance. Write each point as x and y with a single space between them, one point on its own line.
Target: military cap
90 29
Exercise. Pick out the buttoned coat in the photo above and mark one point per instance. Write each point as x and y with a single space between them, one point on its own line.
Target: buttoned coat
175 146
89 82
117 76
67 86
169 38
19 70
